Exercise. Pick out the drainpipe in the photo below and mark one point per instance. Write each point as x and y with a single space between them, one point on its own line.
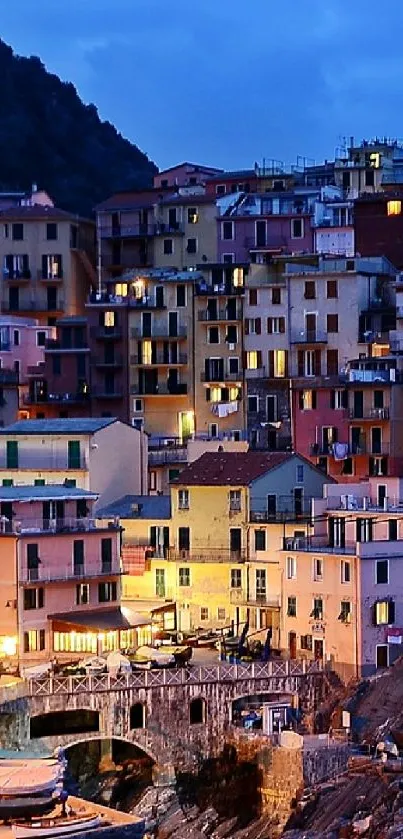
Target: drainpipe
17 581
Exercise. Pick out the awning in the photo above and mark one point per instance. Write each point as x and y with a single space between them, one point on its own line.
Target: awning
148 607
101 619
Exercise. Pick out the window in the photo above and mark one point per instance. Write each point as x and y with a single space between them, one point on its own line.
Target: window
168 247
233 366
228 258
193 216
12 454
180 296
82 594
204 613
332 323
183 499
278 363
345 571
39 482
17 232
291 607
160 582
345 611
384 612
236 578
220 189
297 228
7 482
338 399
107 592
191 246
78 556
184 577
34 640
331 289
213 335
332 362
369 177
40 338
317 611
34 598
106 555
108 319
392 530
317 568
300 474
227 230
276 296
306 642
260 578
221 613
291 568
275 326
232 334
16 337
253 404
213 430
6 230
394 208
364 529
73 454
253 297
382 572
307 400
235 500
197 711
310 290
52 266
152 480
253 326
260 540
346 180
51 231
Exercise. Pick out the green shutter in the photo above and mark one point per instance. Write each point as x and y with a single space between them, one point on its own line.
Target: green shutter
12 454
74 457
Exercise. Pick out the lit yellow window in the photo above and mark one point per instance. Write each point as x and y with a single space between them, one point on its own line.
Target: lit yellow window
279 364
121 289
251 360
215 394
138 289
233 394
375 160
382 612
109 319
394 208
146 352
238 277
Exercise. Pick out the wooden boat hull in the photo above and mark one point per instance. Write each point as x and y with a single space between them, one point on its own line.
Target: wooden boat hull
24 807
49 827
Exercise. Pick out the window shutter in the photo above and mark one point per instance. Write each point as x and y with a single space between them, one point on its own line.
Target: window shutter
300 362
317 363
301 400
345 399
207 394
25 263
269 326
331 532
282 325
370 530
271 364
314 400
44 265
259 358
391 611
358 530
153 537
247 326
258 326
373 610
9 262
41 639
286 363
332 399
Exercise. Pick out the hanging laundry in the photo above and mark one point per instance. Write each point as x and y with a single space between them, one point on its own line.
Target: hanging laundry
340 451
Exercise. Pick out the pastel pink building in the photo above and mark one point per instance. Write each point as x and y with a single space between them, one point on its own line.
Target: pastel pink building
60 585
22 343
184 174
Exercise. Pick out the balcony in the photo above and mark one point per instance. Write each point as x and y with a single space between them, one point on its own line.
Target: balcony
222 289
106 333
8 377
309 336
17 277
32 306
44 461
167 454
287 509
109 363
51 526
162 229
348 502
365 376
213 378
257 373
160 331
55 345
102 393
180 389
64 574
317 544
263 598
120 231
369 414
220 315
56 398
373 337
206 555
50 278
159 360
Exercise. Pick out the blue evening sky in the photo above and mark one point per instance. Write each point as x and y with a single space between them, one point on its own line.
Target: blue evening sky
224 82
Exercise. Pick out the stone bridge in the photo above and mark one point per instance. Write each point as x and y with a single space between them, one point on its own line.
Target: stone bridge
178 717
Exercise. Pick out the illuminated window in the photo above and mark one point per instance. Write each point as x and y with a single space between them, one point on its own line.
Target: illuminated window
215 394
138 289
34 640
252 360
238 277
394 208
109 319
375 160
146 352
121 289
233 394
384 612
279 364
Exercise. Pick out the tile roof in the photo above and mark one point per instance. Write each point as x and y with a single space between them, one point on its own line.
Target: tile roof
150 507
230 468
198 167
29 492
133 199
192 200
38 212
74 425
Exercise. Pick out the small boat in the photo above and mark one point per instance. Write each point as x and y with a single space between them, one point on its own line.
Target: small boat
182 653
19 807
56 826
144 658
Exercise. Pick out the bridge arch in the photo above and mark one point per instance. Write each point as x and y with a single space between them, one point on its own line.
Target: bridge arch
197 710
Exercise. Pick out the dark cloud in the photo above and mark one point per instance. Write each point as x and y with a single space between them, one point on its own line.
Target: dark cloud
223 81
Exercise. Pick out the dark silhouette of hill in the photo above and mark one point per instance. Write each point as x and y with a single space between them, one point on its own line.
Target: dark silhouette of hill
50 137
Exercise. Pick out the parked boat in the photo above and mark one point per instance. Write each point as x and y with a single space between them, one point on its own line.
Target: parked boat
56 826
29 787
182 653
144 658
19 807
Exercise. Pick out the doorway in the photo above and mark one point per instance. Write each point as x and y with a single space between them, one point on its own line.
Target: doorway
358 404
298 501
382 655
318 649
310 327
381 495
271 506
292 644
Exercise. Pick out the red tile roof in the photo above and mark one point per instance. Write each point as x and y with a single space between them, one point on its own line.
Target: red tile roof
37 212
230 468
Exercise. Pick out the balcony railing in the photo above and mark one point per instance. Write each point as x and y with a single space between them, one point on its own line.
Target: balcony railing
168 455
50 278
369 414
257 373
17 276
49 398
160 331
101 393
101 361
223 289
319 544
159 360
165 229
123 231
47 526
45 461
287 509
42 574
144 302
102 333
359 448
54 344
8 377
352 502
163 389
206 555
225 377
219 315
309 336
373 376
